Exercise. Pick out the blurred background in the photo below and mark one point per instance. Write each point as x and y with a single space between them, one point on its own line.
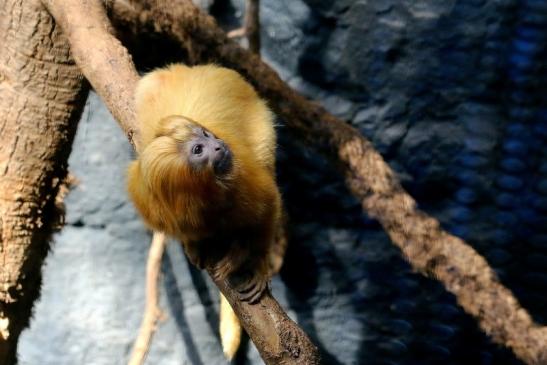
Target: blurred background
452 93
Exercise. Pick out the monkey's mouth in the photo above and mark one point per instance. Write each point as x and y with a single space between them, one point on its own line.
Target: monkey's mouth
223 162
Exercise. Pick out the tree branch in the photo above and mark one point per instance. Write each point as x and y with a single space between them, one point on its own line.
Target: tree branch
428 248
278 339
152 311
251 26
42 94
107 65
110 70
236 33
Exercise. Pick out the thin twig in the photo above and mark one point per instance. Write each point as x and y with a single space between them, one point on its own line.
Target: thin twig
236 33
152 312
251 26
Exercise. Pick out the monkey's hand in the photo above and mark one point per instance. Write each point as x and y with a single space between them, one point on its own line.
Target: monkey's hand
249 279
249 285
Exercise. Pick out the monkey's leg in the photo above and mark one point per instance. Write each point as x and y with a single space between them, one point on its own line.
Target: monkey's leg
195 254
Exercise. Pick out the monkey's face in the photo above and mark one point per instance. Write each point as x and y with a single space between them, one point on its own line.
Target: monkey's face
186 155
205 151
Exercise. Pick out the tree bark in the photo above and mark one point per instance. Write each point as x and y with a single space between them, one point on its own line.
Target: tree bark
428 248
277 338
42 94
86 20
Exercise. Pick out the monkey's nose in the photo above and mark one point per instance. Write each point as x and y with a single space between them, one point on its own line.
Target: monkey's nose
219 146
222 163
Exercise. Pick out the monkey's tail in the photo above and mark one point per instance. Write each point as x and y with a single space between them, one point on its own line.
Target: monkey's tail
230 329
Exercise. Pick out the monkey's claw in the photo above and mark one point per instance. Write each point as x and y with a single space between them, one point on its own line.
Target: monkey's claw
250 287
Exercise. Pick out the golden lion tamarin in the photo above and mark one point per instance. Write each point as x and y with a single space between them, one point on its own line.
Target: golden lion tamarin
206 176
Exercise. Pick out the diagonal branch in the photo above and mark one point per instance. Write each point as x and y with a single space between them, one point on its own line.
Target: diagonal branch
110 70
107 65
429 248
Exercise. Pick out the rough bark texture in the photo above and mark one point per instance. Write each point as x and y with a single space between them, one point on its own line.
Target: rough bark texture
428 248
83 21
278 339
42 94
113 75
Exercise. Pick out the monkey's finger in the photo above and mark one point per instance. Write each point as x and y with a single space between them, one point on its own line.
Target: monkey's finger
258 293
249 296
255 290
247 285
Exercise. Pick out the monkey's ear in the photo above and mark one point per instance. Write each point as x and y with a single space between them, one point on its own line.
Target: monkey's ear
166 127
161 132
173 124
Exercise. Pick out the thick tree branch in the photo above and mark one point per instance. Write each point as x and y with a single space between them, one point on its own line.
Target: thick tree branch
152 311
42 94
425 244
111 71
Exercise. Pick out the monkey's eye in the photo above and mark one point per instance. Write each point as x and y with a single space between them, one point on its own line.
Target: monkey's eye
206 134
197 149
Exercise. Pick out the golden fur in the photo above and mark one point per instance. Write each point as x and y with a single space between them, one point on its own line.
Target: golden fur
227 222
